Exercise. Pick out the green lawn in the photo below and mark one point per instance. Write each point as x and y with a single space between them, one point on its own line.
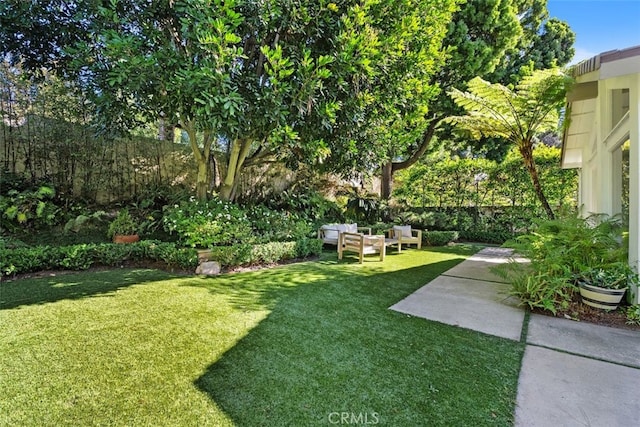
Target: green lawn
298 345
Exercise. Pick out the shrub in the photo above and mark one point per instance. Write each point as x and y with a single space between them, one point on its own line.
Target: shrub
234 255
559 251
265 253
268 253
543 290
81 257
208 223
439 238
123 224
76 257
32 208
633 314
25 260
310 205
495 237
381 227
308 247
278 226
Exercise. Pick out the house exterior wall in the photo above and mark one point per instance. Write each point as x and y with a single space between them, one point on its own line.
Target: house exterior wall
601 173
634 177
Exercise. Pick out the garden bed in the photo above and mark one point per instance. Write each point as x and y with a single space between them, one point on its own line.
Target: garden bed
580 312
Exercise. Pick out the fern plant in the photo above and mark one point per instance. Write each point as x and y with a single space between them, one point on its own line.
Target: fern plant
561 252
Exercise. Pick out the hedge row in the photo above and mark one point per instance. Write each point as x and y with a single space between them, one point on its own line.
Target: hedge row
83 256
266 253
439 238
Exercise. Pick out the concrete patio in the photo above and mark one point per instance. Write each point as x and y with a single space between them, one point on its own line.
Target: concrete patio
572 373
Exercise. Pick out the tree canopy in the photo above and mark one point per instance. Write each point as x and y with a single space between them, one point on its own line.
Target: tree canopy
249 81
500 40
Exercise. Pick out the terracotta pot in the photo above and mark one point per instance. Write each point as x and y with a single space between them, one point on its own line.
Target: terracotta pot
125 238
606 299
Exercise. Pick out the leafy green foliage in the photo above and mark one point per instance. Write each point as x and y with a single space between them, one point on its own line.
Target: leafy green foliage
439 238
545 42
542 290
247 81
518 116
84 220
265 253
563 252
500 41
279 226
484 200
365 208
306 202
208 223
30 208
82 256
486 236
268 253
123 224
445 181
633 314
617 275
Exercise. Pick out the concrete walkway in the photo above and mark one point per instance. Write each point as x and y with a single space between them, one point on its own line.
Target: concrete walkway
572 373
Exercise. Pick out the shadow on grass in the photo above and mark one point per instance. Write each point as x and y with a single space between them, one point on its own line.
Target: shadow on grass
16 293
330 345
263 289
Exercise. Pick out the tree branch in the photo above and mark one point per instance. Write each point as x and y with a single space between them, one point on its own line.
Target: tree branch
427 136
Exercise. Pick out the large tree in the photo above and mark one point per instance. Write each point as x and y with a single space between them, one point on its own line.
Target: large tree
498 39
250 81
519 116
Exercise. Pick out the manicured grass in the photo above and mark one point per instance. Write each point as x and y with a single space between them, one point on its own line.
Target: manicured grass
294 345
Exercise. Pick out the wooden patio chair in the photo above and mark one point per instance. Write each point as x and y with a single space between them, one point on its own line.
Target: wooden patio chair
362 245
405 235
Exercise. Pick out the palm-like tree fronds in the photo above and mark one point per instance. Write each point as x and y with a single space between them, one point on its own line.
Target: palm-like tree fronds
494 110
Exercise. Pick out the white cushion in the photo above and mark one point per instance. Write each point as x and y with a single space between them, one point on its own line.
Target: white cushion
330 231
403 230
351 228
341 227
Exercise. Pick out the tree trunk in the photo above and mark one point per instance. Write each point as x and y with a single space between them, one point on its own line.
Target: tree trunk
386 182
237 156
202 159
387 175
202 183
526 150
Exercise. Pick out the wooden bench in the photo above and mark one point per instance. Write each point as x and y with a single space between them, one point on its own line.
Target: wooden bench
362 245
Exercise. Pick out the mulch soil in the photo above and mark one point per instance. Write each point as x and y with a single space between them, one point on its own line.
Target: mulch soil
583 313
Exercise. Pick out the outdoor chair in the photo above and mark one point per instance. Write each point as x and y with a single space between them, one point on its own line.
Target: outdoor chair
329 233
361 244
405 235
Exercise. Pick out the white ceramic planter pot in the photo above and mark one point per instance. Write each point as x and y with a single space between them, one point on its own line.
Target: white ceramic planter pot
606 299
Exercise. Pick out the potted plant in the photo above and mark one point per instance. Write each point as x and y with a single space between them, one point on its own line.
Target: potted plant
604 286
123 229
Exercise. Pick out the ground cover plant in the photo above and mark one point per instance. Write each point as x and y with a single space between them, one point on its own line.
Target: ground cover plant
284 346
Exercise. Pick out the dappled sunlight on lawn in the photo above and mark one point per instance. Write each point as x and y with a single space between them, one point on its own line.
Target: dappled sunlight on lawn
279 346
332 345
